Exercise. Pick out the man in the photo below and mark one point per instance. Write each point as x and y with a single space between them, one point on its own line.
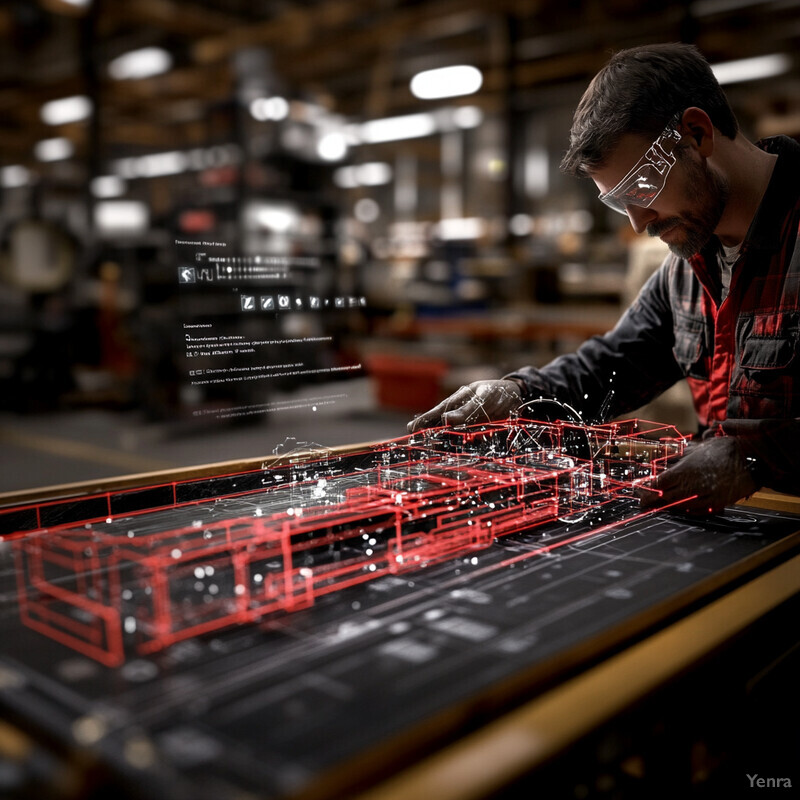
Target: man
656 134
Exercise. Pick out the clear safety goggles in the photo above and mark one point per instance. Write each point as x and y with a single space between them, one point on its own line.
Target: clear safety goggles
643 184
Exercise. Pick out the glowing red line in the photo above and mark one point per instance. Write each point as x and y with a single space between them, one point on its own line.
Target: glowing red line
579 537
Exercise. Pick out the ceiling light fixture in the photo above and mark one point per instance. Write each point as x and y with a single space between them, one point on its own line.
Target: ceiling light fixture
332 146
373 173
460 228
121 217
391 129
56 149
275 217
269 108
433 84
366 210
70 8
14 176
467 117
155 165
108 186
752 69
137 64
66 110
345 178
520 224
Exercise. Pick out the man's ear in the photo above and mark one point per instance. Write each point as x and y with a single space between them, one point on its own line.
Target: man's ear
697 126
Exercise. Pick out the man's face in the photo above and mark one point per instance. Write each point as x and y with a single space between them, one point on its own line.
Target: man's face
686 212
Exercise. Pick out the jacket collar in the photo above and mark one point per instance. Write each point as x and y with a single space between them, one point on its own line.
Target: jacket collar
765 233
780 198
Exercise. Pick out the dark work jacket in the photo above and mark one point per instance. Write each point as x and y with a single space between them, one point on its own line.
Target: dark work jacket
741 357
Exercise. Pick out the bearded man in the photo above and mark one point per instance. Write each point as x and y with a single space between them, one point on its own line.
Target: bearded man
656 134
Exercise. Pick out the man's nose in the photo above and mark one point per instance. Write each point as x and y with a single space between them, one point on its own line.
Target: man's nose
640 217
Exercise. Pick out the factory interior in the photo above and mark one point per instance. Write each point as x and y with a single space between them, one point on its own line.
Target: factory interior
236 229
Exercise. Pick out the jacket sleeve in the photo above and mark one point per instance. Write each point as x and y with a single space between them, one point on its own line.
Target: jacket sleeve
773 448
618 372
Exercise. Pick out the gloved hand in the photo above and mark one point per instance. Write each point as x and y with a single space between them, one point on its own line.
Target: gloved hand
481 401
712 473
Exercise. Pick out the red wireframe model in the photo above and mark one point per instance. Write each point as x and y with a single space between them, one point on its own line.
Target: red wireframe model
321 523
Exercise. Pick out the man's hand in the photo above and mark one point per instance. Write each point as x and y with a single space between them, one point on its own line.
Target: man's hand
711 475
481 401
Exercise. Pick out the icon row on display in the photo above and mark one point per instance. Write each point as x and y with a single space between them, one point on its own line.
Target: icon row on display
286 302
187 274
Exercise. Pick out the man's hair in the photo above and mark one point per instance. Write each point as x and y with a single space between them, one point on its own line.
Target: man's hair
638 91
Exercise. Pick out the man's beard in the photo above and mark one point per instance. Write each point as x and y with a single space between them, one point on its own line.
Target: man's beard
712 190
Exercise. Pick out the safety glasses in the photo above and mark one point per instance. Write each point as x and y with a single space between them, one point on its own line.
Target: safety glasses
644 183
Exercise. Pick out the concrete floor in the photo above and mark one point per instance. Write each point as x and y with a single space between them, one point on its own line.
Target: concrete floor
65 447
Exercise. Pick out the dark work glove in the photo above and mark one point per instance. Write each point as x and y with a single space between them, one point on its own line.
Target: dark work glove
481 401
712 474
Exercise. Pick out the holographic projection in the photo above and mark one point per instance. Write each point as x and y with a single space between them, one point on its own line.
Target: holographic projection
315 522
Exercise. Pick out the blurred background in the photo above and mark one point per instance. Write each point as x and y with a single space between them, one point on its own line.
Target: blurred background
318 134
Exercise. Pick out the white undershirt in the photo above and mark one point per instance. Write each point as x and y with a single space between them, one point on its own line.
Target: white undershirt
726 258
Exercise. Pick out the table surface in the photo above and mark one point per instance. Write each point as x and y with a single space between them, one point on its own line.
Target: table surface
369 682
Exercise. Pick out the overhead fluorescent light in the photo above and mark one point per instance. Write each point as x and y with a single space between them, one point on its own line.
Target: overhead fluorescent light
269 108
460 228
137 64
77 3
345 178
332 146
467 117
752 69
107 186
536 171
391 129
433 84
56 149
14 176
275 217
373 173
413 126
66 110
154 165
520 224
366 210
125 167
172 162
121 217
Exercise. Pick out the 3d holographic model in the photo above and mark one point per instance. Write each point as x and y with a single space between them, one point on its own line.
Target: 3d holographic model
320 522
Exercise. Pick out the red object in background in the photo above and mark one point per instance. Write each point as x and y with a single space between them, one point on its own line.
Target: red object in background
197 220
407 384
219 176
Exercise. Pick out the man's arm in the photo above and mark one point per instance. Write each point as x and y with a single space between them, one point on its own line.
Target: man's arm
607 376
616 373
